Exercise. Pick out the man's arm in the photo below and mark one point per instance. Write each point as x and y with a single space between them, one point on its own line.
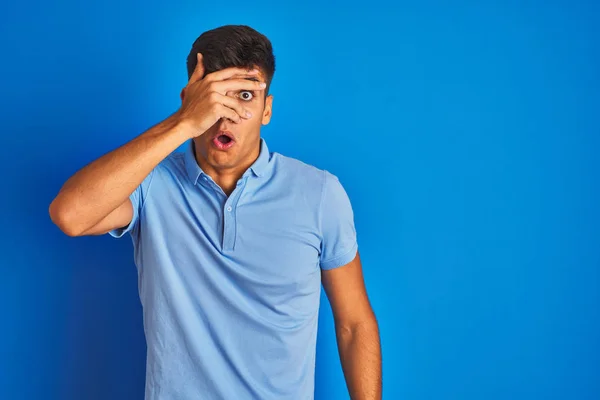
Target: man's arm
356 329
96 198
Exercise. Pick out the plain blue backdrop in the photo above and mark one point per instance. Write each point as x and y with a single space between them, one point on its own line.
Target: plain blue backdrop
466 135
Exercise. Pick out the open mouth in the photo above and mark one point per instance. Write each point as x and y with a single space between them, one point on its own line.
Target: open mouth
223 141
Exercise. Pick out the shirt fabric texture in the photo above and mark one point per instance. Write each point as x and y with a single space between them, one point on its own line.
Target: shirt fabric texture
230 285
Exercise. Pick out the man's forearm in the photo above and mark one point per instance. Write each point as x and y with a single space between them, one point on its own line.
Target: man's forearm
101 186
360 353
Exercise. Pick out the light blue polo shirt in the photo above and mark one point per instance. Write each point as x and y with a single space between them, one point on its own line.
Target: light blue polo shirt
230 286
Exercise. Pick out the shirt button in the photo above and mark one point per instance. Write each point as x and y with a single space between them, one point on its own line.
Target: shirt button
228 208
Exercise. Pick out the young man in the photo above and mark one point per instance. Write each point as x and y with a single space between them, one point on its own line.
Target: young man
231 241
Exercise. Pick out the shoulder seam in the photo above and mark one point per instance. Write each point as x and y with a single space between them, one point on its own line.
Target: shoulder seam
320 211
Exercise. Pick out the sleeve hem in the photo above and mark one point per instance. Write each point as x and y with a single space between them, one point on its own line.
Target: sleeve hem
134 197
342 259
120 232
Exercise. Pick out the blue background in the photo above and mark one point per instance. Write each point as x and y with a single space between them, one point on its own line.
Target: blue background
466 136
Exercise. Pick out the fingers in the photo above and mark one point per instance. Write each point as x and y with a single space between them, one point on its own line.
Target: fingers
237 84
227 73
233 105
221 75
226 112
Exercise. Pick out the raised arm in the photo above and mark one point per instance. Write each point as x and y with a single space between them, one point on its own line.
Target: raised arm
92 194
96 198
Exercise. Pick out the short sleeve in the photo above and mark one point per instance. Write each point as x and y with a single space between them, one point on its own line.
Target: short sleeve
339 244
138 199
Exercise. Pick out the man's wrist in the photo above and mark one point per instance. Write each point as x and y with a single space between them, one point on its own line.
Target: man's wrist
183 128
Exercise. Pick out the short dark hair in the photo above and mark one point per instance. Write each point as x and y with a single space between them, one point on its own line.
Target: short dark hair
233 46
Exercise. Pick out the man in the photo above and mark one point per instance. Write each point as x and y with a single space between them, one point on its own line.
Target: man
231 241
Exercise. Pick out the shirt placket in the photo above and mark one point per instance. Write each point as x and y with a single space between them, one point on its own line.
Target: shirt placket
229 213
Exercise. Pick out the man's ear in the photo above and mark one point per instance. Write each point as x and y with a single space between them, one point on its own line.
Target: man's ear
268 110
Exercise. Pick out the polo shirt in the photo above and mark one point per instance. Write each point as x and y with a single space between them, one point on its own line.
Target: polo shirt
230 285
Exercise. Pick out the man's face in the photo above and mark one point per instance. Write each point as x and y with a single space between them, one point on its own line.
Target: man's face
246 133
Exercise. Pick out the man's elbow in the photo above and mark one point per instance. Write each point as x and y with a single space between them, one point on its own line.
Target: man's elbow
60 217
367 322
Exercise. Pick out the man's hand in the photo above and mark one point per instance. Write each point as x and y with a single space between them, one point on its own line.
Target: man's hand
205 101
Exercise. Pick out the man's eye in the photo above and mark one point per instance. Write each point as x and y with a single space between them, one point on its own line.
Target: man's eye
246 95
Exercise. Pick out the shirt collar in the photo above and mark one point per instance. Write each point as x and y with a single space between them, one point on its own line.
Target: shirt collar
259 167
